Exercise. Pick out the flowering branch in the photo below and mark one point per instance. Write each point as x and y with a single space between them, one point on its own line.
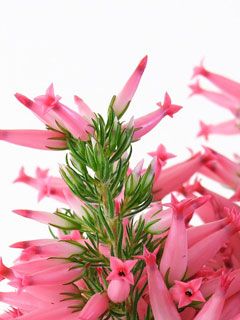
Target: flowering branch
119 249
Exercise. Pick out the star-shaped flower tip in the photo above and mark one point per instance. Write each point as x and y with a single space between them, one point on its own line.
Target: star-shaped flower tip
186 292
167 106
121 270
48 100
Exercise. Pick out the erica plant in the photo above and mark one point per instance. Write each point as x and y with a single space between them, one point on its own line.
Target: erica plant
124 246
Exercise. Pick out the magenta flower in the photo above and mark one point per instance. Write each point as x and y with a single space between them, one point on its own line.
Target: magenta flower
184 293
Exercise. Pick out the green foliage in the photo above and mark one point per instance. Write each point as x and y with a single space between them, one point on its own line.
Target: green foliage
96 172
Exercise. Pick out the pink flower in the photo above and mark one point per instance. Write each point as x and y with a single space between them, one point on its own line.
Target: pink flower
125 96
207 247
146 123
49 110
161 154
220 99
175 255
173 177
37 139
50 186
84 110
46 217
120 279
230 87
229 127
195 234
213 307
187 292
160 299
220 168
162 157
96 306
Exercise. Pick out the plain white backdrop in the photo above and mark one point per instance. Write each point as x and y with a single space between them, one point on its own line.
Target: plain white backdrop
90 48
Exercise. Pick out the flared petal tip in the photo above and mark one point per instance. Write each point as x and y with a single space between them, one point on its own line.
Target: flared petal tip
142 64
199 71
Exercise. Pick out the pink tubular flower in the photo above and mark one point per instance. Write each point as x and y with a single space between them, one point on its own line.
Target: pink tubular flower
125 96
230 87
46 185
212 309
84 110
185 293
162 156
162 218
37 139
229 127
210 245
146 123
142 309
172 178
221 168
231 309
220 99
195 234
46 218
160 299
96 306
175 254
50 186
120 279
49 110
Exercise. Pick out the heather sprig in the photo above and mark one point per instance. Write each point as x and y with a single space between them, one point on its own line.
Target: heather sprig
119 249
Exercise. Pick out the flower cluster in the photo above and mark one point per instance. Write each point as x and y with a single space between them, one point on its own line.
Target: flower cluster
227 96
124 246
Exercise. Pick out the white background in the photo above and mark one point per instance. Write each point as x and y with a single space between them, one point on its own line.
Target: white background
90 48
